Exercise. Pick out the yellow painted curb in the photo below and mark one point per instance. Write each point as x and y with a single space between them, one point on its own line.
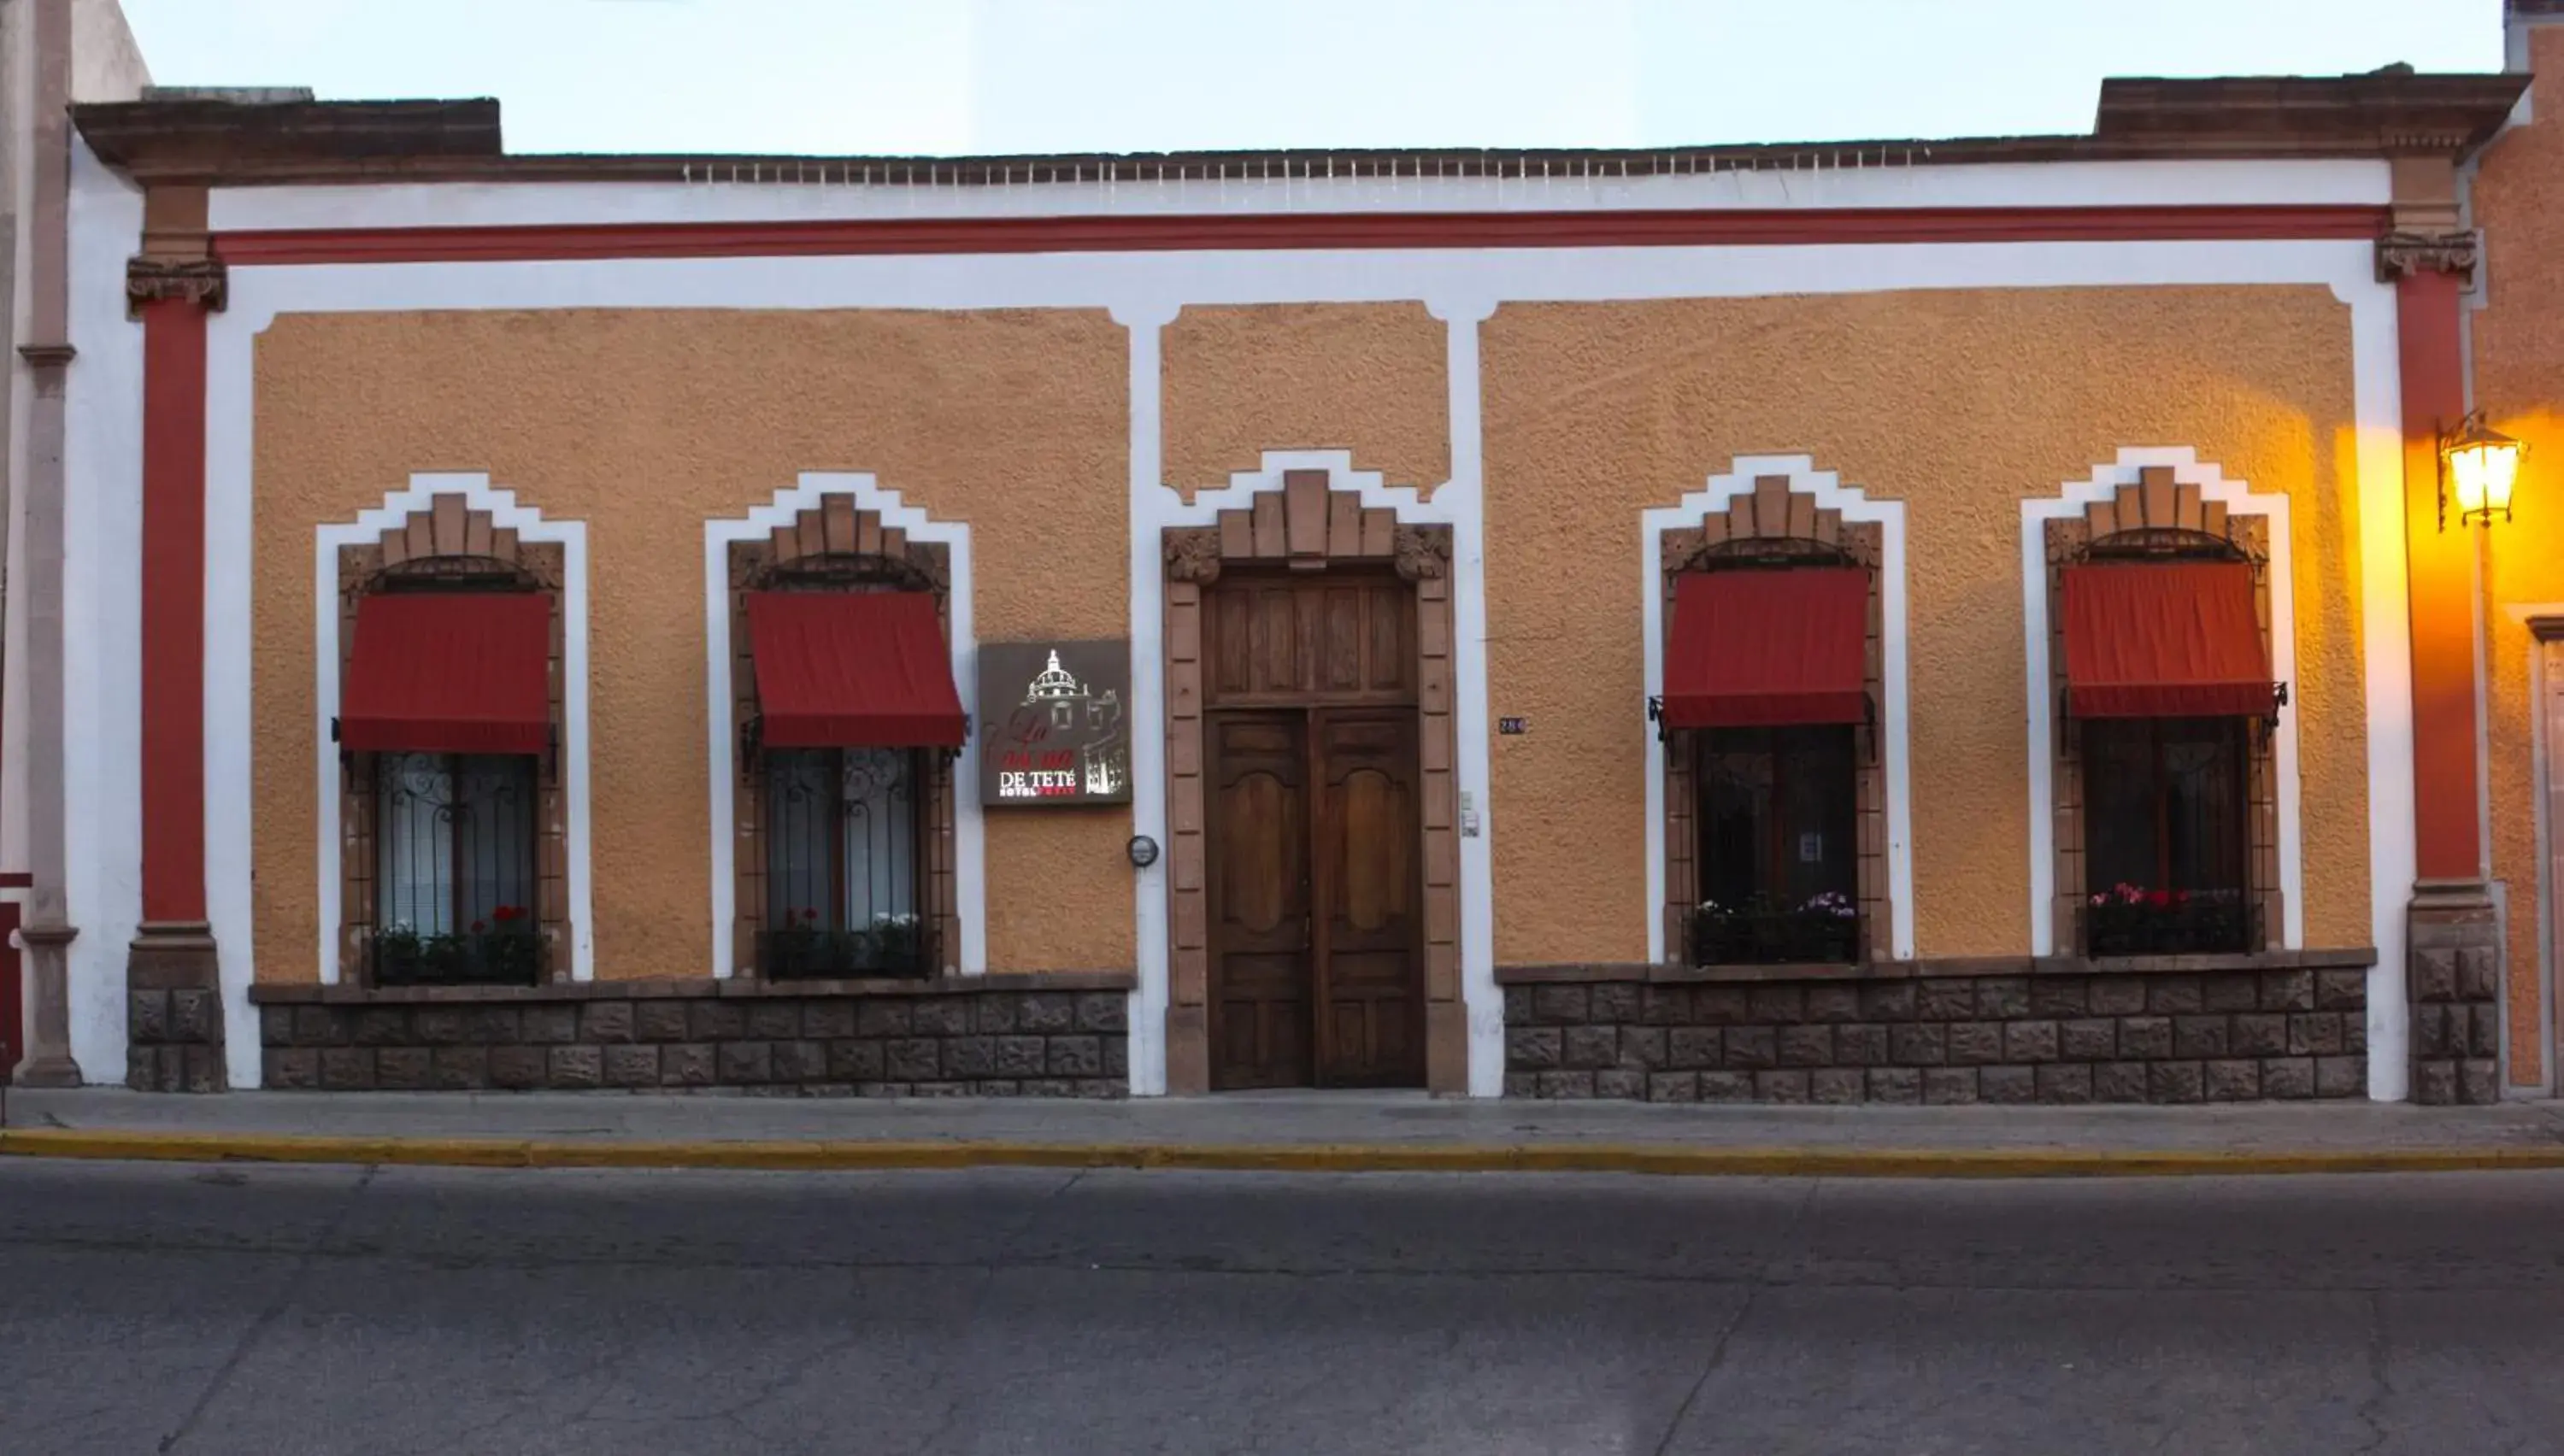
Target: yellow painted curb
1584 1158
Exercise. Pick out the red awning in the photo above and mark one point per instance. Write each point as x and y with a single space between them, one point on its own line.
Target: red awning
1752 648
853 669
2167 638
449 672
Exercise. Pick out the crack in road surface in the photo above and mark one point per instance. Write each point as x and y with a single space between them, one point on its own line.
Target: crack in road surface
287 1290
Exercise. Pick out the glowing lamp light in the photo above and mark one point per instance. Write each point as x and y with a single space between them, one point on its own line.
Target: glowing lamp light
2480 465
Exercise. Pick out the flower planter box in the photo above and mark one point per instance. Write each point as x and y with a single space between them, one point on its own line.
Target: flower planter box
888 949
2160 922
508 957
1825 935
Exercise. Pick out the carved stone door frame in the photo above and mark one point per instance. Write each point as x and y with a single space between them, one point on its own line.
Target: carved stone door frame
1306 525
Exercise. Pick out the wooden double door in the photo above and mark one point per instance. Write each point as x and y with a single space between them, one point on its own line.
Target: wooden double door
1315 834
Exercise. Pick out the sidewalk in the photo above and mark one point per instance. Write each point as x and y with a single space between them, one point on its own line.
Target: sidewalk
1309 1132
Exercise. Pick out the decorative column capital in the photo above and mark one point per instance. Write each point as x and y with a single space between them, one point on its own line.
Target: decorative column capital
204 282
2401 253
1193 554
1422 552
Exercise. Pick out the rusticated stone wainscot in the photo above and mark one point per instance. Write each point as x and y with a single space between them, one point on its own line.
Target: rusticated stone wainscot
1051 1035
2177 1030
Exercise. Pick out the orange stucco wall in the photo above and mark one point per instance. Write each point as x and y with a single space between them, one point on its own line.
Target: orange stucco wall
1961 404
1365 377
2518 198
645 424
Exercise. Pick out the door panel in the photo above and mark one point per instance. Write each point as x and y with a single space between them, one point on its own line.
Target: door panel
1258 851
1370 979
1300 641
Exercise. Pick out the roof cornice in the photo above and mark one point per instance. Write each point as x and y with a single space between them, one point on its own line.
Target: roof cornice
233 142
211 139
2387 111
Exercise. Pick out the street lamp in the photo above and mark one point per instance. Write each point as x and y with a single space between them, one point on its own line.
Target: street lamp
2483 464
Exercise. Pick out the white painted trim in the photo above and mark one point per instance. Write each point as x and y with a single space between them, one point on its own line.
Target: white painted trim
2377 410
970 880
2237 498
1162 508
1895 716
1143 290
367 530
1151 950
1125 282
816 190
102 636
1465 494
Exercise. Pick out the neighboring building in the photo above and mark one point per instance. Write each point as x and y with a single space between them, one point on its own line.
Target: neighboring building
52 53
1909 621
2516 354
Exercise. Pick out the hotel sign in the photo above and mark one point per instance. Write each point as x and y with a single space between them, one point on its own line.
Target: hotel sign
1056 722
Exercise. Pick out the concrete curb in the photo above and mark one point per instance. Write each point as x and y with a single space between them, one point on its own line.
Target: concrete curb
1581 1157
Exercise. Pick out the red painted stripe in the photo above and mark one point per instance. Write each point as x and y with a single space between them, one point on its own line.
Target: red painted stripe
17 880
1294 230
173 610
2440 570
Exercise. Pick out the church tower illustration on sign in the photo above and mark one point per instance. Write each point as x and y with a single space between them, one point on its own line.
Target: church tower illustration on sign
1104 760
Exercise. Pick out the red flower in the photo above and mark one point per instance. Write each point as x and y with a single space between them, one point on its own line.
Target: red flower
479 926
809 914
506 913
2159 899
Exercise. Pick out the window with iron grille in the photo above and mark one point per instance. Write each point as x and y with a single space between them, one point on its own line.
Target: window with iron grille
2175 813
455 870
844 845
446 880
1778 854
845 867
2164 836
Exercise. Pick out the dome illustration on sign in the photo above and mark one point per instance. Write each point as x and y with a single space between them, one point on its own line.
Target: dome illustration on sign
1104 762
1054 682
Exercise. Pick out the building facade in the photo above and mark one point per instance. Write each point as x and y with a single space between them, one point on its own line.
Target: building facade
52 53
1906 622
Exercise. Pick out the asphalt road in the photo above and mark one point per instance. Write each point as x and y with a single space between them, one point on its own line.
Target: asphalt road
276 1312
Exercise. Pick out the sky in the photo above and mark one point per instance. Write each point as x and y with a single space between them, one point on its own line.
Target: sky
950 76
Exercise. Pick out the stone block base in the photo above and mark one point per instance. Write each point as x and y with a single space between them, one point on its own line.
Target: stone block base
2286 1032
1064 1035
2452 980
174 1011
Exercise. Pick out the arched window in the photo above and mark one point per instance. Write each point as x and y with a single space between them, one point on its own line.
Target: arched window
446 732
848 722
1770 723
2163 677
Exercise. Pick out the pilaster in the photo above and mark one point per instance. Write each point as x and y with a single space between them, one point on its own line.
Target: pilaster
2453 932
175 1018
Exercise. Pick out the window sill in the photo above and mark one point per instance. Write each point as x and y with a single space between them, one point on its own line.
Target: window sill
2356 959
2350 959
746 987
1667 975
